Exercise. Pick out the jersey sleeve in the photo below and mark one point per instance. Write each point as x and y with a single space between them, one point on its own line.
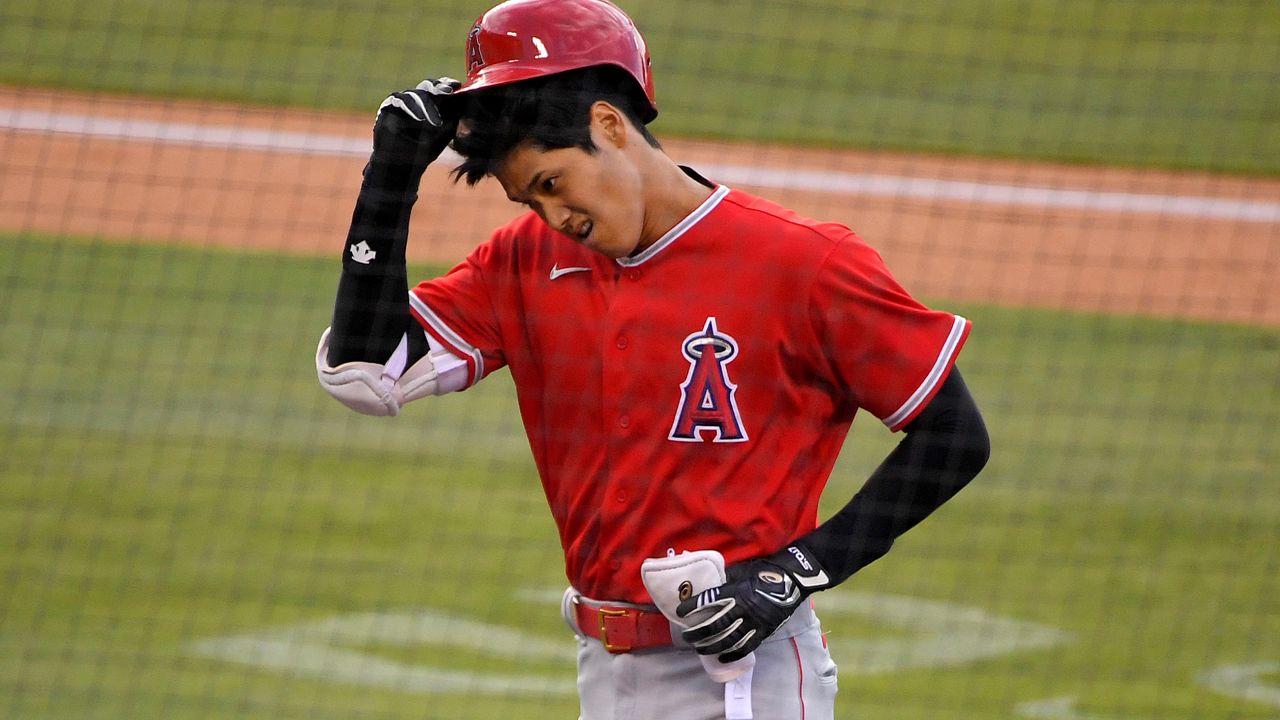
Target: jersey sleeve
885 349
457 311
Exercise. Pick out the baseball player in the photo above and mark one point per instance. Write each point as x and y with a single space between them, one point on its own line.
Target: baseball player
687 358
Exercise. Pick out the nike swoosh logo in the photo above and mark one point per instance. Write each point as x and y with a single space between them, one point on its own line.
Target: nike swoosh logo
813 580
557 271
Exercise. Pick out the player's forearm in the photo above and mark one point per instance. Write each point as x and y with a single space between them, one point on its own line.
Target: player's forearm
945 448
371 310
370 360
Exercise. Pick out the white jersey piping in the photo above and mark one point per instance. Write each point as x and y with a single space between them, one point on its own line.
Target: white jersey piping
935 373
459 346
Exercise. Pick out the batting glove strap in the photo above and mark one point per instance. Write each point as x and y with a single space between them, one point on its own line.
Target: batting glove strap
730 621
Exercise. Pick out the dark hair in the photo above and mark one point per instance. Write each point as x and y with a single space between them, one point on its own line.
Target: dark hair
551 113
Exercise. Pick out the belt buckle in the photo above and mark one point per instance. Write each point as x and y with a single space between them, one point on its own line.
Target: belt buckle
601 614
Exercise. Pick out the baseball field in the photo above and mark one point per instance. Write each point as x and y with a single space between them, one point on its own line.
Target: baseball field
190 528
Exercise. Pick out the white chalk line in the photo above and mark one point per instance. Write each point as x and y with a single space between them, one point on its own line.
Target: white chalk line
322 650
826 181
939 634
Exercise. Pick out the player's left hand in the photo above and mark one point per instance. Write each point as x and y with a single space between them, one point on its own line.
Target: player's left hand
756 599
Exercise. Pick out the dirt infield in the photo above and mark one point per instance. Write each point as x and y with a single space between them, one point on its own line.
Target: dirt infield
1107 239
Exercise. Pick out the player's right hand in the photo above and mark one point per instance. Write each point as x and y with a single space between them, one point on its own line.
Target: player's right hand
414 126
730 621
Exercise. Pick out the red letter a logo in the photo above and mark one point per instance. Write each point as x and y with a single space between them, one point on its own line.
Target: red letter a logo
706 399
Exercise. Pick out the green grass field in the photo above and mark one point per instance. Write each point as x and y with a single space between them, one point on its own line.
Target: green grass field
1177 83
172 474
190 528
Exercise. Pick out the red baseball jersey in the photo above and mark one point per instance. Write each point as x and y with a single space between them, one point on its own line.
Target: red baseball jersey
695 395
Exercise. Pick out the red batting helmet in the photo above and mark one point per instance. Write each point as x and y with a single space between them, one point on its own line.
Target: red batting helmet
522 39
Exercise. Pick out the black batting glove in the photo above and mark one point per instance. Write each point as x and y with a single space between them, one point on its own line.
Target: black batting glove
731 620
412 128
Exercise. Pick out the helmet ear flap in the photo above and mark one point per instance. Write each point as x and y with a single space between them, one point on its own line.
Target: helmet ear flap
524 39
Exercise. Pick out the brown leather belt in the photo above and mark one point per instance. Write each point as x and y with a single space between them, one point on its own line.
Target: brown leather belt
622 628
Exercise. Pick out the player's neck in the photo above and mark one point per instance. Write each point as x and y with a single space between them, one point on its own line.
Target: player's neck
670 196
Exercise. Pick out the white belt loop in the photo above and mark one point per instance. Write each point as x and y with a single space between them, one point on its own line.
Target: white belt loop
570 598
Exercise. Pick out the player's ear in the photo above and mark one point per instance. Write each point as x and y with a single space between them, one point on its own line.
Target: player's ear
609 122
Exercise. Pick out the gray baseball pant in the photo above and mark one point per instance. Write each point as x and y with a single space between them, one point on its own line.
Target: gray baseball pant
794 678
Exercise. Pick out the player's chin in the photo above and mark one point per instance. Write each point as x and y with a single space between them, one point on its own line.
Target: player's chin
588 241
605 246
613 245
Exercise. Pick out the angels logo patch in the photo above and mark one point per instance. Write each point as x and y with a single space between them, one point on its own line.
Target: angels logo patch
708 411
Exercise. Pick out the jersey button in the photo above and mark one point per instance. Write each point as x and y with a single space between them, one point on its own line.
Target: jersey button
624 421
622 343
622 496
633 274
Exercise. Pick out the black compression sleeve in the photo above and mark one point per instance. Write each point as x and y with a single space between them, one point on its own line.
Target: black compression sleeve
371 312
945 447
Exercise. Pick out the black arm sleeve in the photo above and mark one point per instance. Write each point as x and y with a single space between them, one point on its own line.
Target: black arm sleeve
371 311
945 447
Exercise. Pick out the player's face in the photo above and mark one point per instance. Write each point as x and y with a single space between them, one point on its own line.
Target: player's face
594 198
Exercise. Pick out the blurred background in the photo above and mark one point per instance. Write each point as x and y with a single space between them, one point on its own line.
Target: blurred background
191 528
